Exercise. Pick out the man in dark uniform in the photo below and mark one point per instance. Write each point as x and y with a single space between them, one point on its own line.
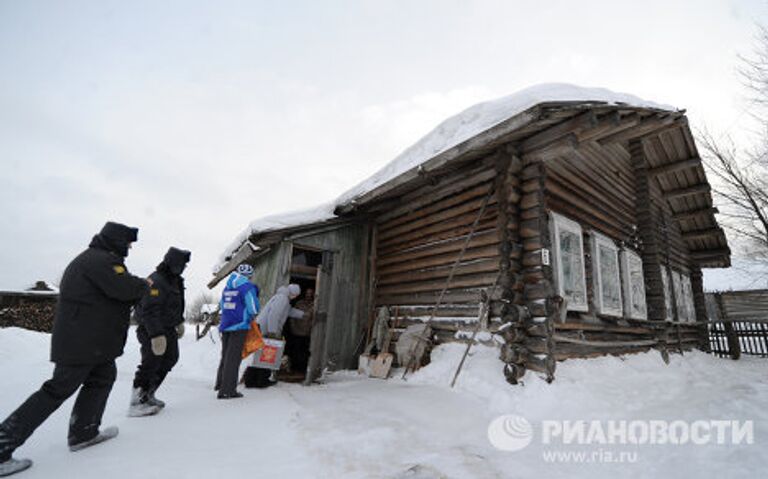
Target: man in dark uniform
89 331
161 323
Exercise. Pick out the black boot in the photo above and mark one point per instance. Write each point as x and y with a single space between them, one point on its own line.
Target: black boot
140 405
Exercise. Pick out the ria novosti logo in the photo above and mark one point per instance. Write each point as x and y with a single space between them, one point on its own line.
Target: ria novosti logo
510 432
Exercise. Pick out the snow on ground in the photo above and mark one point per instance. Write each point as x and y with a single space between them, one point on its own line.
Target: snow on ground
419 428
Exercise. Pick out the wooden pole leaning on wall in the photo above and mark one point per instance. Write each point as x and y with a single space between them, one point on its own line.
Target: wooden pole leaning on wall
481 320
456 263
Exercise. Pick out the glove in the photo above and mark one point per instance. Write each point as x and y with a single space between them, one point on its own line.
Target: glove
159 343
180 330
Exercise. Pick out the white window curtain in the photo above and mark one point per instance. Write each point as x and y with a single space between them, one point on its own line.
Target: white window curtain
634 285
607 280
680 303
690 309
569 262
667 294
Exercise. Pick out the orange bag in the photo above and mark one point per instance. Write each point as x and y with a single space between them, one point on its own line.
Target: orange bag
253 340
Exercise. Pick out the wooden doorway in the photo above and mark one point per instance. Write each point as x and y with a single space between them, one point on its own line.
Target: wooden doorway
310 270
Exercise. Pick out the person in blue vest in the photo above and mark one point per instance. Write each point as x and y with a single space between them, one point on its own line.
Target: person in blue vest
239 306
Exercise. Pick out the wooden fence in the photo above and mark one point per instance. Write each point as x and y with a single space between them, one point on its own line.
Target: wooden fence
732 339
738 323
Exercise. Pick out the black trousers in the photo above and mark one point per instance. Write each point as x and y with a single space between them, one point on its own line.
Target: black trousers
257 377
153 369
231 355
299 353
96 381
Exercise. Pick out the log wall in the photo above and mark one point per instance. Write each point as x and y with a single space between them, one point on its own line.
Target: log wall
606 189
418 244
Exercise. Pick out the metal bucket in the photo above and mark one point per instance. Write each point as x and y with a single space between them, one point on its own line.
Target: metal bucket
271 355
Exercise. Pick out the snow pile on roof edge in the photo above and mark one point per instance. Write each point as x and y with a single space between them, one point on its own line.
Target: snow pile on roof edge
484 116
448 134
279 221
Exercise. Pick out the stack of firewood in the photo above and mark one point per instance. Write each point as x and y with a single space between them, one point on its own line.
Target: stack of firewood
33 316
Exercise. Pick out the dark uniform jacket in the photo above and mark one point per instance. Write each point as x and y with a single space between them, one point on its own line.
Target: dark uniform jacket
162 306
96 295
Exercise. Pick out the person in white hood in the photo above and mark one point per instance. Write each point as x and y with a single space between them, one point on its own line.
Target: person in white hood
277 311
271 320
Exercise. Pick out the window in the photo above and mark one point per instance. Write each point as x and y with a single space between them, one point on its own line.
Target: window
667 294
686 312
569 258
688 295
605 259
634 285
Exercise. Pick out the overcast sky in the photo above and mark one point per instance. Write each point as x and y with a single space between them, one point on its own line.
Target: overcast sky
189 119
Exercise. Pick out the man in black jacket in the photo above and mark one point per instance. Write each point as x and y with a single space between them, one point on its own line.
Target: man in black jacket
89 331
161 323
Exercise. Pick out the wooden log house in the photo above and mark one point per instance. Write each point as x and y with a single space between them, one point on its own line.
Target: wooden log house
584 216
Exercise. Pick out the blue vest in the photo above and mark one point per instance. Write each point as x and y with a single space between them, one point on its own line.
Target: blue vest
239 304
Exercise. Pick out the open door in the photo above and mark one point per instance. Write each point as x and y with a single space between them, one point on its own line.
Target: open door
320 323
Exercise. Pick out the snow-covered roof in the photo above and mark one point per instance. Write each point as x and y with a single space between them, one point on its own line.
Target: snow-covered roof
484 116
42 286
448 134
277 222
25 292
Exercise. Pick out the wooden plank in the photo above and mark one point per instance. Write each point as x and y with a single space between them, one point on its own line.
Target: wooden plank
604 205
676 166
470 267
458 210
459 225
490 251
685 215
459 282
612 173
610 124
406 312
691 235
562 202
437 238
708 254
553 133
560 147
469 296
687 191
436 204
452 246
649 126
303 269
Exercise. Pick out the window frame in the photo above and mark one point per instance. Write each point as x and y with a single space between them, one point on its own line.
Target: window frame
690 304
667 283
686 308
627 272
560 222
677 283
598 241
